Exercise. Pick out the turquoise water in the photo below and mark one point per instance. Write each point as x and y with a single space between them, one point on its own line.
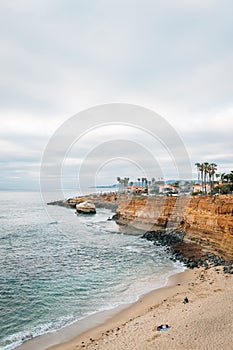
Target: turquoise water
57 267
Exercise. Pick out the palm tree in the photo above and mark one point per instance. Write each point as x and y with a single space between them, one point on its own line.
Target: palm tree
198 165
121 183
201 168
212 169
206 170
119 180
139 181
126 181
143 181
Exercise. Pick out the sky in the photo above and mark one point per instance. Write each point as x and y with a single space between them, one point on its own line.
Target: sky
61 57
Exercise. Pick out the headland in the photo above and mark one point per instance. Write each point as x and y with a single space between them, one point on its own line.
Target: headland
197 304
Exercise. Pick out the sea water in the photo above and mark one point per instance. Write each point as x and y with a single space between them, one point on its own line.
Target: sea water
58 267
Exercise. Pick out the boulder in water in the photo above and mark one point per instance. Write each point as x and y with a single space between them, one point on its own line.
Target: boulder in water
87 207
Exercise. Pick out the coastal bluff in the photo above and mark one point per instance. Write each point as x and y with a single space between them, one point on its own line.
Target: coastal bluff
205 220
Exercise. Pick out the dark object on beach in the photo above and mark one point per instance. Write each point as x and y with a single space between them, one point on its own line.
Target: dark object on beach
185 300
163 327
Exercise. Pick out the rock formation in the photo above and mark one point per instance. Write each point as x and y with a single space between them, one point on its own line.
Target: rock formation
87 207
108 201
207 220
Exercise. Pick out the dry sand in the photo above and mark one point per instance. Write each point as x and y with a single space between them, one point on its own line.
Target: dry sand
205 322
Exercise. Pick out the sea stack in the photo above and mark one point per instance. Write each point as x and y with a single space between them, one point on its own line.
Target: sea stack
87 207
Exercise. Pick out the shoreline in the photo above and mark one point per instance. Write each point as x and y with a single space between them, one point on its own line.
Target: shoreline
127 314
94 322
204 322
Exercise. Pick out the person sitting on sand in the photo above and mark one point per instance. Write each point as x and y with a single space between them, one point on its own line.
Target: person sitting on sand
163 327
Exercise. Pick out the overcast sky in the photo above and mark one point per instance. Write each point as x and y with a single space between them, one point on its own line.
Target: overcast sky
60 57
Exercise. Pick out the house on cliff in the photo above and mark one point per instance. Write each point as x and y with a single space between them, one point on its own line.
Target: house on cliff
136 189
168 189
199 188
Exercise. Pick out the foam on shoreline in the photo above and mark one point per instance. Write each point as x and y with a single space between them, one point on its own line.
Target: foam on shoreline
93 322
204 322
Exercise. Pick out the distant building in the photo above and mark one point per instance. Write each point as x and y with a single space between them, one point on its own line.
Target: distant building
167 189
136 189
200 188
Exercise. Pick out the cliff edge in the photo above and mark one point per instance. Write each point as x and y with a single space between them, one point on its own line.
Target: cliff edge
206 220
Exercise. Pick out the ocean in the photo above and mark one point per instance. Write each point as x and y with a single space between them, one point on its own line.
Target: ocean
58 268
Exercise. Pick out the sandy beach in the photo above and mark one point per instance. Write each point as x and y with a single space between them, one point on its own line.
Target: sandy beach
204 322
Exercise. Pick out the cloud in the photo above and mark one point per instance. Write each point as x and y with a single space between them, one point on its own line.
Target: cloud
208 137
59 58
192 5
81 53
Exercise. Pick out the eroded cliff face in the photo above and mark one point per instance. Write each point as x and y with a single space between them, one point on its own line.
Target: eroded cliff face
209 220
206 220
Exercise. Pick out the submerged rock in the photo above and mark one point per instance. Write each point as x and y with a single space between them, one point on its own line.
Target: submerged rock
87 207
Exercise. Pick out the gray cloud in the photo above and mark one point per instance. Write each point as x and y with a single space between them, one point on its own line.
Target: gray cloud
58 58
166 47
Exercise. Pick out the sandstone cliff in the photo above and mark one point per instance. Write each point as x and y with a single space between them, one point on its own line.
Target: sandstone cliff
206 220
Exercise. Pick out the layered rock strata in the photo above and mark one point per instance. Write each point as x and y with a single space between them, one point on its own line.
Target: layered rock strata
207 221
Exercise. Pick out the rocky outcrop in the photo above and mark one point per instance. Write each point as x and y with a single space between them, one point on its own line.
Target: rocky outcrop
190 253
207 221
87 207
108 201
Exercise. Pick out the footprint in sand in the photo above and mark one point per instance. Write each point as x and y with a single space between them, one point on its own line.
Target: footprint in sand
153 338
